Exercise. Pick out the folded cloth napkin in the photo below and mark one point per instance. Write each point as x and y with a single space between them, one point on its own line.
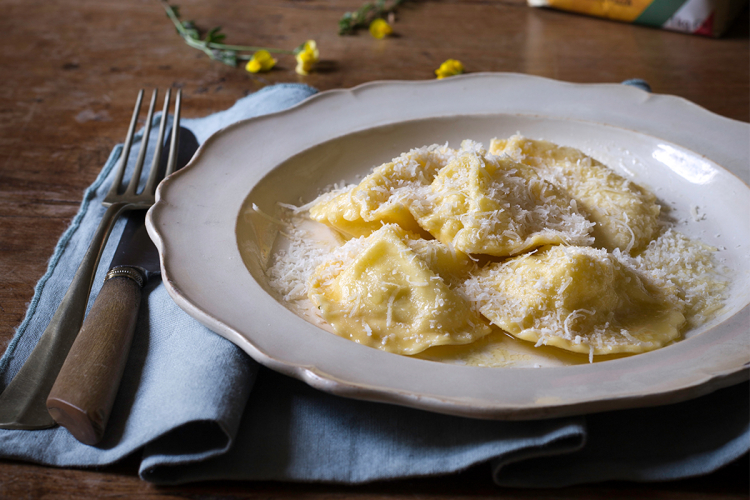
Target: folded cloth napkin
195 407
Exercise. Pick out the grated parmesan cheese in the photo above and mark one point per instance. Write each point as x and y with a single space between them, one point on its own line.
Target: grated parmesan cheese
636 291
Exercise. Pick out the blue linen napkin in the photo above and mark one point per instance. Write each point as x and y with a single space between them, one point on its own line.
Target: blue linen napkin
195 407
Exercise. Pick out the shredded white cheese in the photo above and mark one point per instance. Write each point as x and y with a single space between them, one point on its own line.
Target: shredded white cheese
555 199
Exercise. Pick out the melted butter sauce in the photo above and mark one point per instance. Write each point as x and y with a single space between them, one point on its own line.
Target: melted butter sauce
499 349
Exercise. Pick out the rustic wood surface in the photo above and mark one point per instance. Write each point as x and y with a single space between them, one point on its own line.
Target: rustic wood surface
71 71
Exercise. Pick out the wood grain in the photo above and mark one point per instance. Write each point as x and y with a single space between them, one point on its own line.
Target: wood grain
21 481
81 398
71 72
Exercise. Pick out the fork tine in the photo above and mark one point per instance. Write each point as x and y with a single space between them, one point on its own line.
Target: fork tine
154 173
113 190
174 142
23 402
136 177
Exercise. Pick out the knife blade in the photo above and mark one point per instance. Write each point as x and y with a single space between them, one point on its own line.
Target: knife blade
84 392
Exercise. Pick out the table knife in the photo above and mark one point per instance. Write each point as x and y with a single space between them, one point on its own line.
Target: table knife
84 392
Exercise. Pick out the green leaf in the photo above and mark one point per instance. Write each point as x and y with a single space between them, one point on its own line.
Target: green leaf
299 48
190 30
226 56
350 22
214 35
346 24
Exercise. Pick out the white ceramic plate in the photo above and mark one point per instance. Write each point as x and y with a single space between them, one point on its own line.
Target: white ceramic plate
691 158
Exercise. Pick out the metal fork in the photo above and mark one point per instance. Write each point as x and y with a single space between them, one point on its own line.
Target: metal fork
23 402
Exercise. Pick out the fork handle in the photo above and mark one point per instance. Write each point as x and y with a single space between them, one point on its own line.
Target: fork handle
22 403
83 394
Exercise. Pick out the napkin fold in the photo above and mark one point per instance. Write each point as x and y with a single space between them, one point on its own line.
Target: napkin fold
195 407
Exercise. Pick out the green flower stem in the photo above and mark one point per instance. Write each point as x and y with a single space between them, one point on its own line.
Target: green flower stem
350 22
216 51
199 45
247 48
172 16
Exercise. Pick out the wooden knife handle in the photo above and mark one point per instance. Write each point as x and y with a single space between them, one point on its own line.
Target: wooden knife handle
83 394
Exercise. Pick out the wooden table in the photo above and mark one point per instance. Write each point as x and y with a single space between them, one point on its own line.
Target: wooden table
71 71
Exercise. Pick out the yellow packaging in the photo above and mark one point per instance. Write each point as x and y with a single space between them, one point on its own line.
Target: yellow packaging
700 17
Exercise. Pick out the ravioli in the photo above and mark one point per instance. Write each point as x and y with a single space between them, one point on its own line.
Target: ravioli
542 241
580 299
484 204
384 295
451 265
383 197
626 215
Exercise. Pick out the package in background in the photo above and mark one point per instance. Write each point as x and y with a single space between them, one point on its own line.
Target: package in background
700 17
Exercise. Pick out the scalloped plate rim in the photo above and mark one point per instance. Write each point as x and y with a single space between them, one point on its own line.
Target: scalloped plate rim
475 407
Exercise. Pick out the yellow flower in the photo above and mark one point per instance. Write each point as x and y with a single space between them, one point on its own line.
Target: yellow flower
261 61
307 56
380 28
451 67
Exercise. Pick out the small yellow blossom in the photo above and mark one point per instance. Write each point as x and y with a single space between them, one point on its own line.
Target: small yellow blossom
261 61
380 28
451 67
307 56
